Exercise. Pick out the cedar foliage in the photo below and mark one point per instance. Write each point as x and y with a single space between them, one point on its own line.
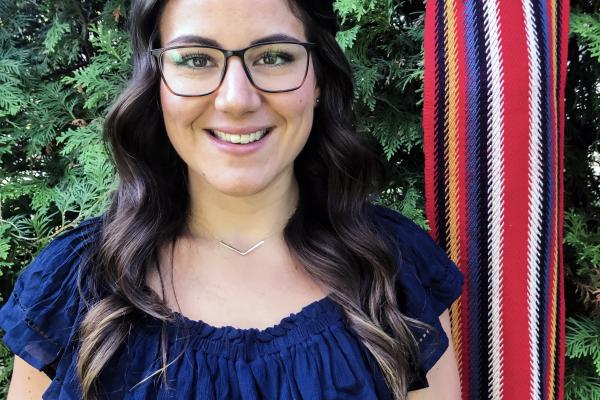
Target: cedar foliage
62 63
582 204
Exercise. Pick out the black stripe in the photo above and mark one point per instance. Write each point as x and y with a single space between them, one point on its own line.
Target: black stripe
546 213
439 123
485 372
480 386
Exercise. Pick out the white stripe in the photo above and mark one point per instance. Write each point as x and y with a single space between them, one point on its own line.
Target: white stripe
535 200
495 195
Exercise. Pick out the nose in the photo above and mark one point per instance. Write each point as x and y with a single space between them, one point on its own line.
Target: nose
236 95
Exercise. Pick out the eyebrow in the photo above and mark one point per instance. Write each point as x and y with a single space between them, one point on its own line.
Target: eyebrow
204 41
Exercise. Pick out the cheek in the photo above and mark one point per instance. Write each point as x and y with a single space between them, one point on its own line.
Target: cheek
180 112
304 110
179 115
305 102
299 118
301 107
169 107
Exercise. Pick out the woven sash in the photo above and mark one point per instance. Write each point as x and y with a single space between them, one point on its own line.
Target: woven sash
493 124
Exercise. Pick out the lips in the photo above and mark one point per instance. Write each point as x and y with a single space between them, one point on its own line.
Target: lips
239 139
239 136
239 130
239 148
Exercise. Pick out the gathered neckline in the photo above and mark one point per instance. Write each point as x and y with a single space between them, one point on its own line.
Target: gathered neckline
311 309
230 341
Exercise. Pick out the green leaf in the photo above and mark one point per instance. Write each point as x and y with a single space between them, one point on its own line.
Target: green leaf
366 79
346 38
587 28
583 339
55 34
353 8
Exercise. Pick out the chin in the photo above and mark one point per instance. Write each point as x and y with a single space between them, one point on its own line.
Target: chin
241 189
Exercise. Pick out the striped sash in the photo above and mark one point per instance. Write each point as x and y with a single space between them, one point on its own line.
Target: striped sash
493 124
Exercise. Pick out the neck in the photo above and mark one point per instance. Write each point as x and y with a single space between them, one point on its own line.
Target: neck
241 220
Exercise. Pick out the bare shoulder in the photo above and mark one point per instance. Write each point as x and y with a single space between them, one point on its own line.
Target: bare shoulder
443 378
27 383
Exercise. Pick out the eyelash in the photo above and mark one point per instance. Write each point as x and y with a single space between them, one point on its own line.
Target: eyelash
185 58
284 56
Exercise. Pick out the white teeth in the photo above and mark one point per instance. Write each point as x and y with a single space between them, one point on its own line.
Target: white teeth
246 138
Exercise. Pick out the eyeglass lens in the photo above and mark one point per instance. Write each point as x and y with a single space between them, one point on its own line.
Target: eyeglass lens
193 71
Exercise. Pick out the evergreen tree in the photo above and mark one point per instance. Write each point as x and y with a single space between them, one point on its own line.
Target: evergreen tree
582 204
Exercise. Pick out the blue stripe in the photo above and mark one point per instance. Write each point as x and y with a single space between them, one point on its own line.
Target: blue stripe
477 203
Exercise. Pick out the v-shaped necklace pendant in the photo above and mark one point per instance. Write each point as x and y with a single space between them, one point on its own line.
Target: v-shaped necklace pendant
242 253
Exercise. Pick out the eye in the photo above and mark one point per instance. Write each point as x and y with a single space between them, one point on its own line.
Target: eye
197 60
274 58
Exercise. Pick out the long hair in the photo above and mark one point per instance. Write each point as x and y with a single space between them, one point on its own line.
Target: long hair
331 232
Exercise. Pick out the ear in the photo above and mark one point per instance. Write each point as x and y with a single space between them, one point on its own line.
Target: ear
317 95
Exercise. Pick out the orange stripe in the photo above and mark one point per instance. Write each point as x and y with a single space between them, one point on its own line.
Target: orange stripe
452 169
457 332
453 198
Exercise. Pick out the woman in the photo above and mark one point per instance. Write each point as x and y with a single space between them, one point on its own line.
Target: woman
240 257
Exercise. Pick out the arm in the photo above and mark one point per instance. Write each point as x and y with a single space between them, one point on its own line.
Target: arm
27 383
443 378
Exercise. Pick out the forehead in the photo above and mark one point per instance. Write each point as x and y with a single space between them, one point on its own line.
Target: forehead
231 23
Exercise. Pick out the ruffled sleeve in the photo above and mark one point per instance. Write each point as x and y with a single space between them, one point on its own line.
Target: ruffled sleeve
39 317
428 283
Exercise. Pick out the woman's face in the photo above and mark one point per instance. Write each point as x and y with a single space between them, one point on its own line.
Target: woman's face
236 107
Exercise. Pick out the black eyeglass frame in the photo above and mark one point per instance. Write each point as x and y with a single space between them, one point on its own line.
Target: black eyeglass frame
158 53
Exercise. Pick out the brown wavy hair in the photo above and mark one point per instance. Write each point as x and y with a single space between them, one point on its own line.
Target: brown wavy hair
331 232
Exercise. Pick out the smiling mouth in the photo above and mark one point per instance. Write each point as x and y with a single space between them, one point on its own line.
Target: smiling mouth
246 138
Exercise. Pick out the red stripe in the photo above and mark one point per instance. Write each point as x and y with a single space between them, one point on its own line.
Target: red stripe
564 16
516 127
462 192
462 133
429 90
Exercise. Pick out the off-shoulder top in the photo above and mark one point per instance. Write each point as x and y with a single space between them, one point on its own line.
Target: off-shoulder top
311 354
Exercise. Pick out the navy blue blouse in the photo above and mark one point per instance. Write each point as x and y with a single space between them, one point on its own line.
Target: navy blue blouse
311 354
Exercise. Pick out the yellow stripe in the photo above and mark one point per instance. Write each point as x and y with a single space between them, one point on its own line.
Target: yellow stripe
457 332
451 175
553 333
453 198
452 195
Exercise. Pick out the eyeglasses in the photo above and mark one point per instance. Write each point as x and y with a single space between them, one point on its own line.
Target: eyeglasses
272 67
